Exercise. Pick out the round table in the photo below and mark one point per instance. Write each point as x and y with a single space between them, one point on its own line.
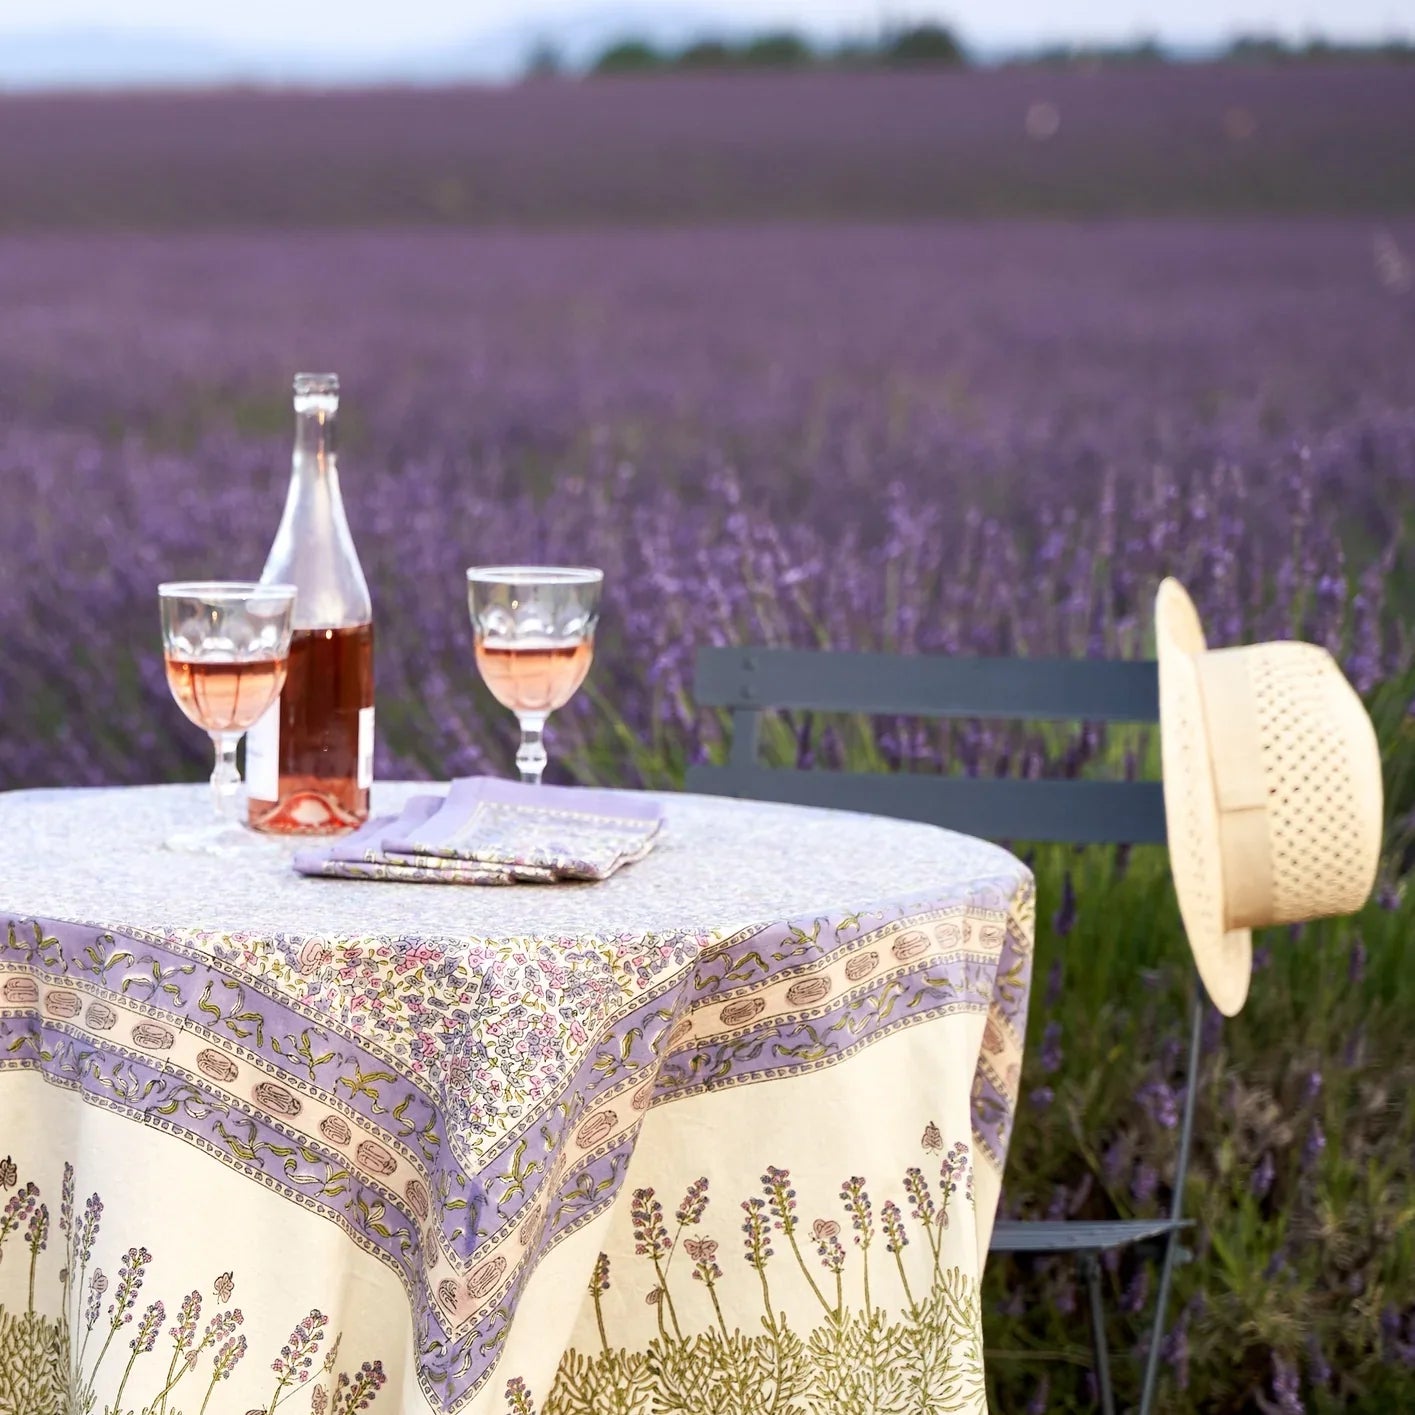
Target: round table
730 1122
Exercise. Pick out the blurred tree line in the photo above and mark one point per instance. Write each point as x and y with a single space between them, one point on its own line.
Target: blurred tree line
927 45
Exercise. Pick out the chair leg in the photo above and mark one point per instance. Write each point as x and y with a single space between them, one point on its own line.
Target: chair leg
1157 1332
1090 1265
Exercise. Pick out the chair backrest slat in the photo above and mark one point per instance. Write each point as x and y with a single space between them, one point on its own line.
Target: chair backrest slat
1072 690
1073 812
751 680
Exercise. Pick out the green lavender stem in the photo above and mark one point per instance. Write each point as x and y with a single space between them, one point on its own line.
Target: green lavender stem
127 1371
112 1332
766 1297
207 1397
805 1271
717 1307
667 1297
903 1277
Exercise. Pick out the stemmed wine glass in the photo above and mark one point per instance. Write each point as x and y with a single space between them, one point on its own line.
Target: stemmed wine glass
227 646
534 628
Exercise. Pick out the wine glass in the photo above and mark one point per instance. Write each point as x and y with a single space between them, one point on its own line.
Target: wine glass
226 646
534 627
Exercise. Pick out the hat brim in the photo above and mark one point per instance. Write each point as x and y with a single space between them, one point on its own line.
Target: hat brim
1224 957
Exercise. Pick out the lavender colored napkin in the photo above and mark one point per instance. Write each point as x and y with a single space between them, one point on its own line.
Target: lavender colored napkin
361 856
488 831
570 831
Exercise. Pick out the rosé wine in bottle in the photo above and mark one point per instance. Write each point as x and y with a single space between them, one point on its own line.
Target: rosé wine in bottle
309 760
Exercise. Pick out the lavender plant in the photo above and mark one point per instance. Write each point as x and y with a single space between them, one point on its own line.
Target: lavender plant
984 439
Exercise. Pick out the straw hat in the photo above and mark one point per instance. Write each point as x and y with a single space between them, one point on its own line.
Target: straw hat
1272 790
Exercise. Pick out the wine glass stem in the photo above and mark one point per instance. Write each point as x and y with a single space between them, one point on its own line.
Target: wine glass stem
530 755
225 780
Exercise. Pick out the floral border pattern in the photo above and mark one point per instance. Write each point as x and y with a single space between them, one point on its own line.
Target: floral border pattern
459 1107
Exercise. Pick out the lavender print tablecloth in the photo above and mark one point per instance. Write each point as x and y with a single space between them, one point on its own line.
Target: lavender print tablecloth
722 1135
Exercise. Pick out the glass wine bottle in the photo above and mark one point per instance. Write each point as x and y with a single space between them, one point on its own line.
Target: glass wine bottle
309 760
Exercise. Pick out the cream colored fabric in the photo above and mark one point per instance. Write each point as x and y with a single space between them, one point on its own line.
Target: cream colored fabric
321 1169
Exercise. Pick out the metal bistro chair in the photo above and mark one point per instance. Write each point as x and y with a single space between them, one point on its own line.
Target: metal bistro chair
751 680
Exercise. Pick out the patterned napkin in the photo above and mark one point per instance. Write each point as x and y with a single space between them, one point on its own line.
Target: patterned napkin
489 831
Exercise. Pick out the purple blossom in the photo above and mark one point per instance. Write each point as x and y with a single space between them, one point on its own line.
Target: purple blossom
776 1185
188 1316
145 1338
650 1234
88 1233
1145 1182
917 1188
757 1230
519 1400
297 1355
892 1222
357 1392
1264 1173
1356 960
1050 1056
228 1358
694 1204
1064 920
1286 1388
857 1205
1314 1145
131 1272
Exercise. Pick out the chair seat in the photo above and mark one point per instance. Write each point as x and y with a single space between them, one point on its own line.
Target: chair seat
1080 1235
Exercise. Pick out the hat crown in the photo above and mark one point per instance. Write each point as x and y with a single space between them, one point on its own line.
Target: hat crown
1322 767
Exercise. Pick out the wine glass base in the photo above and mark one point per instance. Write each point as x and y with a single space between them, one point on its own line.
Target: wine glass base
222 838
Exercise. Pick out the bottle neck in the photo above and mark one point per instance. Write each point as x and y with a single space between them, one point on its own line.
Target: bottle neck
315 444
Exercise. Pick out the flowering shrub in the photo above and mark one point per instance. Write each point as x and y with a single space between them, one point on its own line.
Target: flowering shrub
991 439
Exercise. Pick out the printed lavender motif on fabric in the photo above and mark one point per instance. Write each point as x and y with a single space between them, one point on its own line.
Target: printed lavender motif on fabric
886 1306
487 1094
166 1355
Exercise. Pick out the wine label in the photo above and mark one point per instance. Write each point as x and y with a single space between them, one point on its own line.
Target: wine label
263 756
365 748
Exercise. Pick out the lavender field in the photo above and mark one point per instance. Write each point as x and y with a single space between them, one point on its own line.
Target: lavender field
943 435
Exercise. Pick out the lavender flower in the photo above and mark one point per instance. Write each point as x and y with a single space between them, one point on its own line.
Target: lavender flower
694 1204
188 1315
757 1231
131 1273
145 1338
857 1205
519 1400
88 1233
1050 1057
650 1235
357 1392
1286 1388
1064 920
703 1252
892 1222
228 1358
1264 1173
297 1355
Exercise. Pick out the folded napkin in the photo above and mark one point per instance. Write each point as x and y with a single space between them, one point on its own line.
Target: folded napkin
489 831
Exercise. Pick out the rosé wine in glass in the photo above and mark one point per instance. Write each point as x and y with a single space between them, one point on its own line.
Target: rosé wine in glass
534 628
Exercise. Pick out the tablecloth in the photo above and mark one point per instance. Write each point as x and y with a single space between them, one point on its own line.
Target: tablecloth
721 1134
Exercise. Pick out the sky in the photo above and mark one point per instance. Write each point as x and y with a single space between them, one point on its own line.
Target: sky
369 27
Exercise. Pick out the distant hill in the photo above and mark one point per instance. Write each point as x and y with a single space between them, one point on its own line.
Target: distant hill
113 58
